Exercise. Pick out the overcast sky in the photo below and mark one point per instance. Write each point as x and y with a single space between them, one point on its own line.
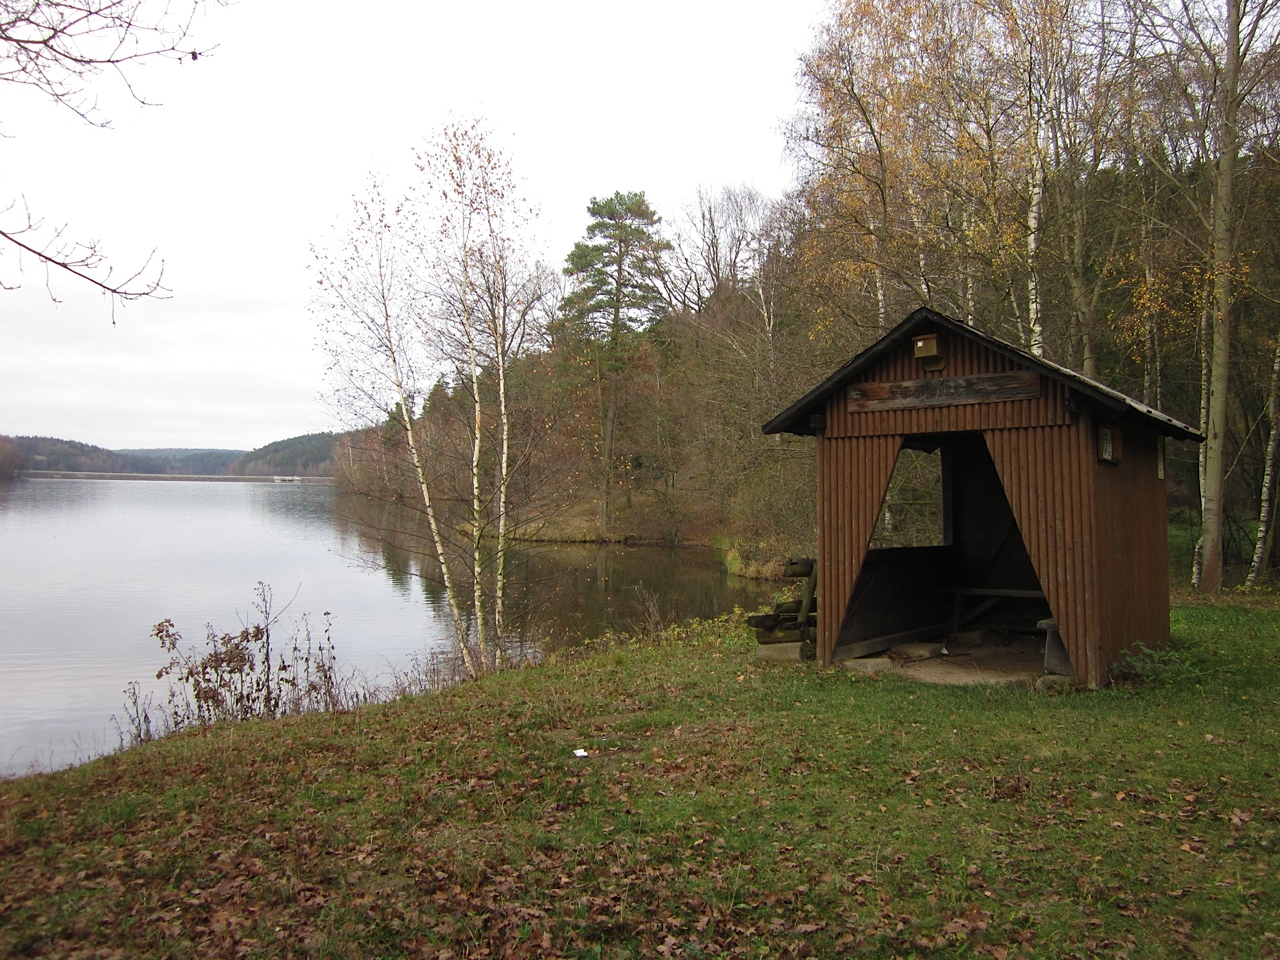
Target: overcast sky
256 151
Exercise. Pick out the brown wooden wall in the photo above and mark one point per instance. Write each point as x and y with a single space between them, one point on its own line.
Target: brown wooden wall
1048 475
1133 565
853 475
1083 521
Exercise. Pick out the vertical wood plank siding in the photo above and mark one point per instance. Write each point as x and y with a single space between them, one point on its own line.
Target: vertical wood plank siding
1048 476
853 475
1096 535
1133 565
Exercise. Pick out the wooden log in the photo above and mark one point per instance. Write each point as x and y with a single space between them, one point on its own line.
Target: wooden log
768 637
785 629
798 567
793 607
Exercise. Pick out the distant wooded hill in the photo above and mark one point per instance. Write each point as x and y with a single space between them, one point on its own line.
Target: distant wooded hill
50 453
306 456
310 455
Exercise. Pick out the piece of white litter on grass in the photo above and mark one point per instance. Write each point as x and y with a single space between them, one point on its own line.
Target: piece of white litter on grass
580 753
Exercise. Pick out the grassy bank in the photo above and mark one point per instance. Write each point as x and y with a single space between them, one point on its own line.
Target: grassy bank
723 808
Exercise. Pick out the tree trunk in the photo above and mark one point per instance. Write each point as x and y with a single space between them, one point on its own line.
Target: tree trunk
504 476
610 420
467 290
882 311
437 538
1267 500
1214 517
1206 353
477 504
1035 324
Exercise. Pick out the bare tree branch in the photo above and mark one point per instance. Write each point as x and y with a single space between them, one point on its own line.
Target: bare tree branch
60 48
83 261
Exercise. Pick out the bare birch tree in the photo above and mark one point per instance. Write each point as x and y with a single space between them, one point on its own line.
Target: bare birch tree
440 286
484 297
1267 498
369 311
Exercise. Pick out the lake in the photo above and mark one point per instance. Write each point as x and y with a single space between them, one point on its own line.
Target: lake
88 567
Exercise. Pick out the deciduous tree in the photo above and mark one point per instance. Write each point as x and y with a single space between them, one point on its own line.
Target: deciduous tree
439 285
369 310
1214 67
484 308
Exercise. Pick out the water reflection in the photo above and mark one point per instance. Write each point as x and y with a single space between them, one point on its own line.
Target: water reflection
566 591
585 589
90 566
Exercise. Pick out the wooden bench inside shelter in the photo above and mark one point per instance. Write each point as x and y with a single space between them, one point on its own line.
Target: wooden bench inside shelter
987 599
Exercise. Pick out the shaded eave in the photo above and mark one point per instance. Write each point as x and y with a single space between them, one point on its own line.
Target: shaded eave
798 418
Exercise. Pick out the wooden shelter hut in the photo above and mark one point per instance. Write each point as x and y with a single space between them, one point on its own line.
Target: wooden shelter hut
1053 505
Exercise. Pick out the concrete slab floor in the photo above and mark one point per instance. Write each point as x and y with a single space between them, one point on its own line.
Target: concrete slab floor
993 659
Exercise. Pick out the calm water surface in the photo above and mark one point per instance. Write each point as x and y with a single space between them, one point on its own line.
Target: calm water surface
88 567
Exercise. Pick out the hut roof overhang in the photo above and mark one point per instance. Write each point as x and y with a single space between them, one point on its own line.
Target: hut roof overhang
800 417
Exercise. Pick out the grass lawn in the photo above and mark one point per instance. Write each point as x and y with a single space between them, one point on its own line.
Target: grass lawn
724 808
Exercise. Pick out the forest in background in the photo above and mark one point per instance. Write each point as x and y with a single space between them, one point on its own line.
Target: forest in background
310 455
1094 182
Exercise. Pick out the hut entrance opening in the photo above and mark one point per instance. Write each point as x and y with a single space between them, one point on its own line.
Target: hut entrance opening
947 558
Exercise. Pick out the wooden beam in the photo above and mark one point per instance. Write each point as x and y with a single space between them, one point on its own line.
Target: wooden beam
944 391
992 592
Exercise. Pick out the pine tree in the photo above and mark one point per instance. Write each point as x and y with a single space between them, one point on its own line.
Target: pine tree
617 274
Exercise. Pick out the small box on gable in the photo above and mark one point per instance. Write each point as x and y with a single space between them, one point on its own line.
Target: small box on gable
926 346
929 352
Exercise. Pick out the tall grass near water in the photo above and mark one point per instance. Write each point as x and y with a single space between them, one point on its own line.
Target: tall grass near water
256 674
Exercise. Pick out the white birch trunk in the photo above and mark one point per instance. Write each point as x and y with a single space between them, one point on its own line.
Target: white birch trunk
504 477
1206 354
1267 499
1035 207
424 488
477 502
1213 517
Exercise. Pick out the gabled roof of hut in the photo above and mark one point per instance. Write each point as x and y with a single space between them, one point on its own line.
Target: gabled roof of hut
796 419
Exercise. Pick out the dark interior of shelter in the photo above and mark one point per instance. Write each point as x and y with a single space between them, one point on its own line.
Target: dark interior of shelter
977 576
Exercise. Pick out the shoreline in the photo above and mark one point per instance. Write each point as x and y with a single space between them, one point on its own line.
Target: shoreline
201 478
